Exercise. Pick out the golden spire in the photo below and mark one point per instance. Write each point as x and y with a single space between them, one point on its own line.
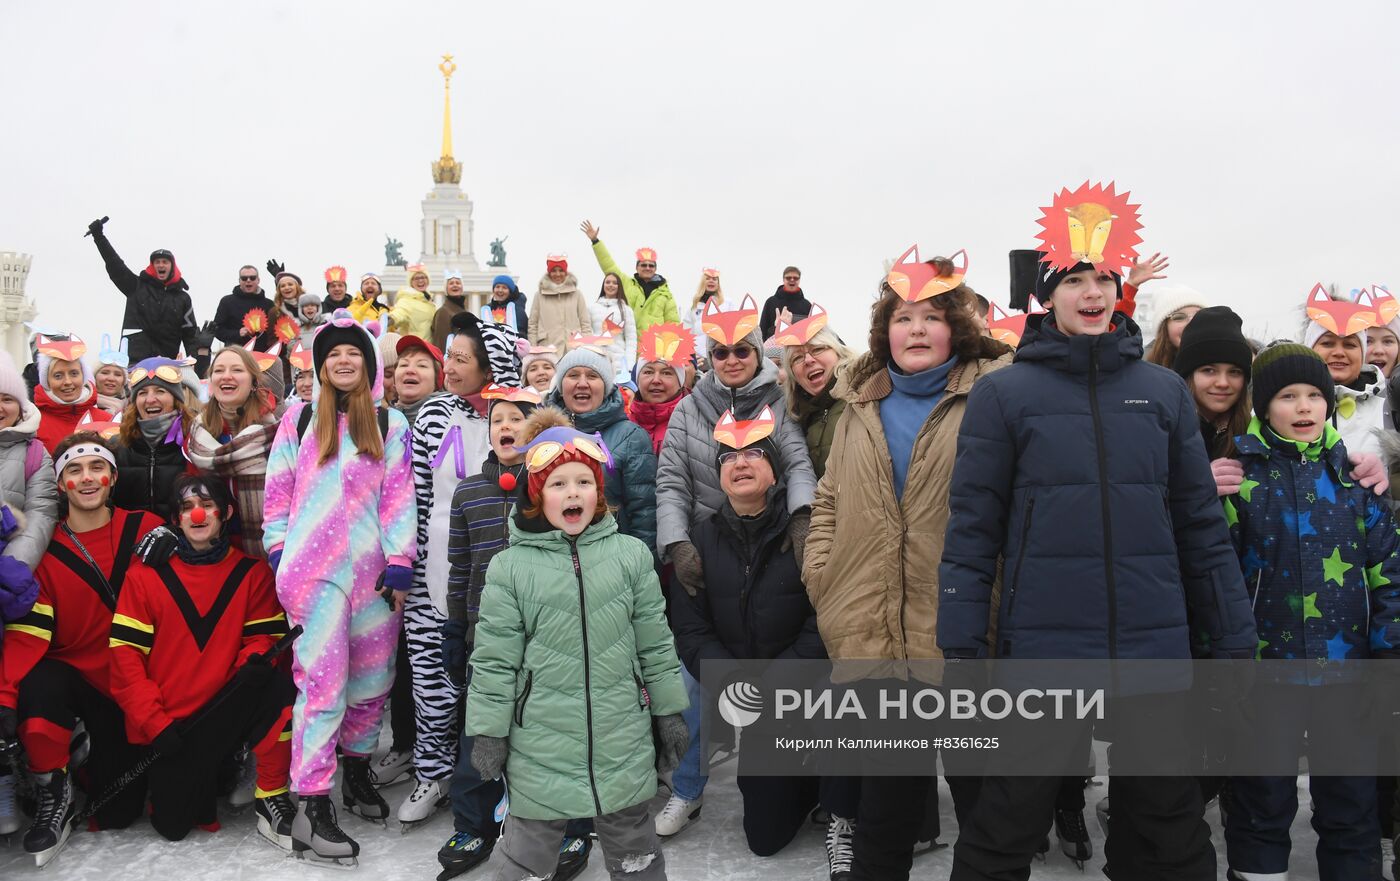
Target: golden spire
447 169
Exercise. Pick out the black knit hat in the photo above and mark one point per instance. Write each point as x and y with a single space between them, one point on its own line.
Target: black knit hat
1212 337
1283 364
332 335
1048 278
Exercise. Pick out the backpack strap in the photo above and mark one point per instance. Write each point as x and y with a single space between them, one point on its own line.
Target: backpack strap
304 421
33 458
384 423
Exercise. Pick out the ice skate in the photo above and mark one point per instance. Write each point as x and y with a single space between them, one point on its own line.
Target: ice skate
317 838
393 767
1074 837
1232 875
1387 859
1042 852
676 815
1101 812
358 793
839 853
9 809
427 796
275 816
573 858
243 794
462 853
52 817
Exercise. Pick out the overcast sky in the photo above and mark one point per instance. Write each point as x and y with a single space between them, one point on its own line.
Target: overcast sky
1261 139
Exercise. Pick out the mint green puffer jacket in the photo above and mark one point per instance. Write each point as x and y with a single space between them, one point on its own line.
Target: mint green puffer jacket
573 657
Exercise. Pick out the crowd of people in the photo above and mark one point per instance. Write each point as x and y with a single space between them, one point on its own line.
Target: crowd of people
521 531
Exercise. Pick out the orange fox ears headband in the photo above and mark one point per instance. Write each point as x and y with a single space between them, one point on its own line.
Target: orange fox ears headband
300 358
670 343
589 340
70 349
801 332
264 360
915 280
493 392
728 328
1090 225
1008 328
1379 301
1339 317
736 434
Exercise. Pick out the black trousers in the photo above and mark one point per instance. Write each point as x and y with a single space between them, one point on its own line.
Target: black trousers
776 807
893 817
183 787
54 697
401 718
1156 829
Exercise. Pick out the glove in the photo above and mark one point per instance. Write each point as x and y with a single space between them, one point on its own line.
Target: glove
18 589
489 755
454 650
95 228
398 577
273 267
9 723
274 559
158 546
256 672
1228 474
672 740
799 524
1368 470
168 742
686 560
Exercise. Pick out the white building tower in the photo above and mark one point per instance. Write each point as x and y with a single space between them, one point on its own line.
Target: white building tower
446 228
15 308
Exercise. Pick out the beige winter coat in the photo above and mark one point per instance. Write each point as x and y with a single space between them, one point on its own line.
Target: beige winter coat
557 312
871 566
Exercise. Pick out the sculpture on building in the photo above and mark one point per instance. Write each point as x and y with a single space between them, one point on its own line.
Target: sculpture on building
393 252
498 252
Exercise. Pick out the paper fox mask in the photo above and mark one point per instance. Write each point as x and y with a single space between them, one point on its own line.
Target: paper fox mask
915 280
728 328
801 332
736 435
1009 328
1339 317
70 349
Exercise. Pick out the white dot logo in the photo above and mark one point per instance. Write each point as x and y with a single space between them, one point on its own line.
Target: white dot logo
740 704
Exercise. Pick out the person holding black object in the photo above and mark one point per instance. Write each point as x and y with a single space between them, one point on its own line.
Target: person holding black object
159 313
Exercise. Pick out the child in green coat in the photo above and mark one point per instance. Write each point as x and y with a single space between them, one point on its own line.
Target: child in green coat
574 740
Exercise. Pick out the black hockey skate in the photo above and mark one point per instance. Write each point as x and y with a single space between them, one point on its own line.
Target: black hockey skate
358 792
275 816
1074 837
317 837
462 853
53 816
573 858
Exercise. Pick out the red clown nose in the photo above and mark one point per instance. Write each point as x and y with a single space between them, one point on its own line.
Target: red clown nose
198 516
507 482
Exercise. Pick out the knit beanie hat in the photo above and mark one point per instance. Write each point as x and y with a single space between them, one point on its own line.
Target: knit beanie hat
11 383
389 348
1170 298
1048 278
148 368
1315 332
308 300
507 281
1213 336
538 353
1283 364
344 329
69 348
593 360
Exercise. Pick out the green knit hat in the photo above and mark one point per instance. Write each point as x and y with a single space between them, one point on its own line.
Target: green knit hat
1283 364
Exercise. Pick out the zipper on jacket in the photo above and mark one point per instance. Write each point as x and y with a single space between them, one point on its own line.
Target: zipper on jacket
151 476
1016 573
644 696
524 696
587 674
1103 503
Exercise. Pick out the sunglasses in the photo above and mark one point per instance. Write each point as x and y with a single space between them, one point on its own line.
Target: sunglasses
164 372
752 454
723 353
646 265
792 278
247 278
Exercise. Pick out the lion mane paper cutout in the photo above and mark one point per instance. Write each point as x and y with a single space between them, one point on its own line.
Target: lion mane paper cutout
736 435
728 328
1006 327
493 392
670 342
1379 300
70 349
339 273
800 333
915 280
1337 316
264 360
286 329
1090 225
255 322
300 357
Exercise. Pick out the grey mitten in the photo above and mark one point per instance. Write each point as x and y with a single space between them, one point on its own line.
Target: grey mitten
489 755
672 740
799 524
686 560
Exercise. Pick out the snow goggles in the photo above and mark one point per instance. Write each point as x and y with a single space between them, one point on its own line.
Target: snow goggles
554 442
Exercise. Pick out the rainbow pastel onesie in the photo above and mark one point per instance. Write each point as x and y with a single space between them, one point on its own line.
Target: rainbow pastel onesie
338 526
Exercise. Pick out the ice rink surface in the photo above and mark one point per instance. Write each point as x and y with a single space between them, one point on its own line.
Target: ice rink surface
711 848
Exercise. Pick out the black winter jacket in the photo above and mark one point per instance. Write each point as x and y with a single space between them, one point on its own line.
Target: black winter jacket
754 605
159 316
1082 467
228 318
797 304
145 475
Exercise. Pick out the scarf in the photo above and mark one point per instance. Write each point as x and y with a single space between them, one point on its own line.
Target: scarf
215 553
154 430
242 460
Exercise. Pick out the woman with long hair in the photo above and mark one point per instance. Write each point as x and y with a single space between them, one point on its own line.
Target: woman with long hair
150 445
611 304
1214 359
288 298
707 291
232 437
813 360
339 534
1176 304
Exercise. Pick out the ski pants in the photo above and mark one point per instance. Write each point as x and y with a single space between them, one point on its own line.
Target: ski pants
343 666
435 698
631 849
183 786
53 697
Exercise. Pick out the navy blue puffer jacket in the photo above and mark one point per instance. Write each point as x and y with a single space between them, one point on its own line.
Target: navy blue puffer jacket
1082 467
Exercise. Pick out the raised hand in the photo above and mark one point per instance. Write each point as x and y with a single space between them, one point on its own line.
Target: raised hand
1144 271
590 230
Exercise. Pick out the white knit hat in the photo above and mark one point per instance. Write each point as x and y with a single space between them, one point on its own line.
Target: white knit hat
1171 297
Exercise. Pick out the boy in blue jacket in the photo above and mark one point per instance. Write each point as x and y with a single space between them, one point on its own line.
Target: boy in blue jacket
1319 556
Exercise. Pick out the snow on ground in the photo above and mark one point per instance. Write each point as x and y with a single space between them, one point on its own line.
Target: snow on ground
712 848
